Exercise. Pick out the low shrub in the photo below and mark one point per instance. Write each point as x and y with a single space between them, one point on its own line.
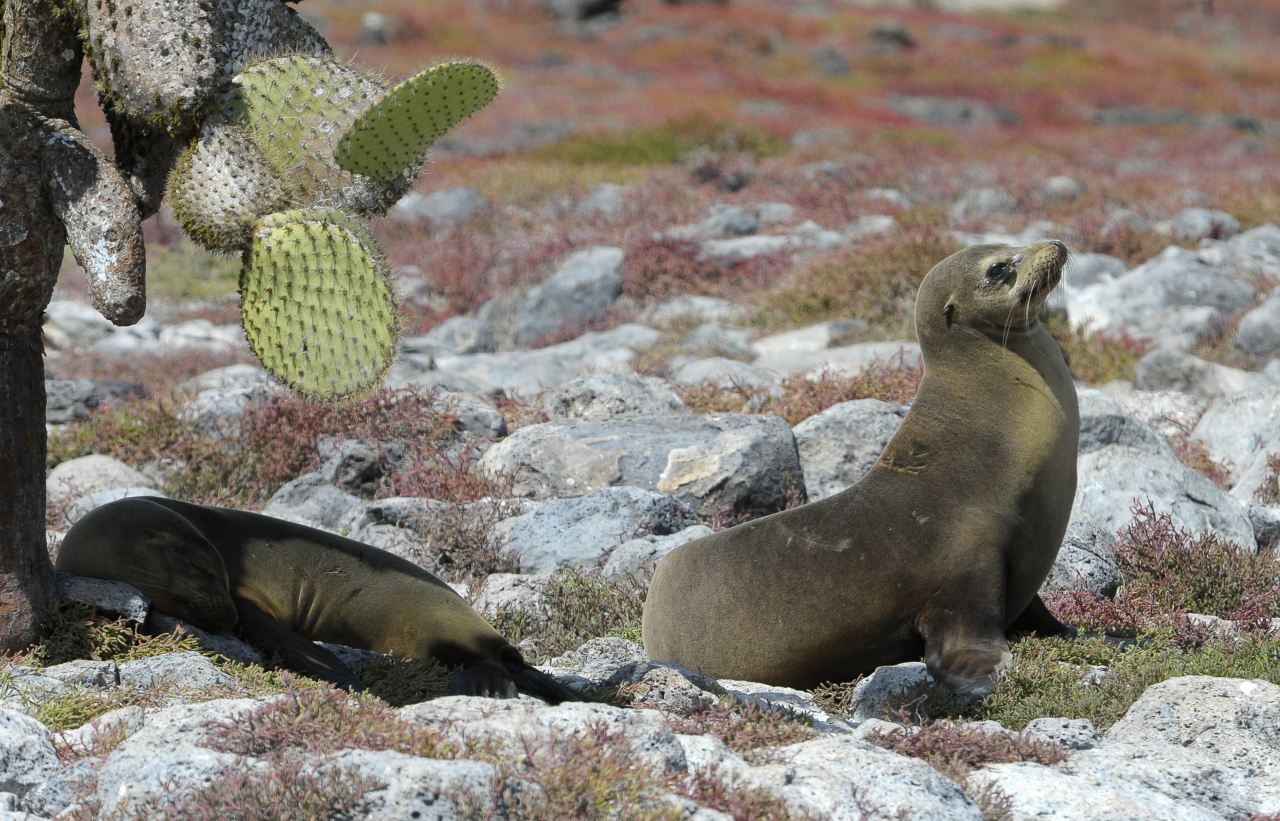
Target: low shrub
1169 572
745 728
1269 491
874 281
656 268
1098 357
1194 454
957 751
798 397
579 606
74 631
709 787
284 791
662 144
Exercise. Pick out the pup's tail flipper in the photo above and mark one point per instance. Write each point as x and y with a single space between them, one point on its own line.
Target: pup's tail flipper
534 682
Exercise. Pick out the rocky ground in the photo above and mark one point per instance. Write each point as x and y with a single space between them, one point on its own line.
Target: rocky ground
605 359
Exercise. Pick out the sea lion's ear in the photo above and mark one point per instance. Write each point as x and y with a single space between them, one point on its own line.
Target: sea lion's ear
950 312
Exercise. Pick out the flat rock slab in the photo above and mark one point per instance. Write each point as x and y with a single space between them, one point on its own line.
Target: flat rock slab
739 462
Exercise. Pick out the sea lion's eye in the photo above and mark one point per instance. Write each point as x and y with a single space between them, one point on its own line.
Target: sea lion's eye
997 270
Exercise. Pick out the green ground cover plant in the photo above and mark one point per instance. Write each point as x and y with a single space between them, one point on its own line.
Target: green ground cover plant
579 605
1097 357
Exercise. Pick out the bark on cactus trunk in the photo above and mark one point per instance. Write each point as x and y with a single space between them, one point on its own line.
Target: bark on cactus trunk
27 586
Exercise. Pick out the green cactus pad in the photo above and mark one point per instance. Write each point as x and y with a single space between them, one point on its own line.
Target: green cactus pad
222 185
391 135
317 303
296 108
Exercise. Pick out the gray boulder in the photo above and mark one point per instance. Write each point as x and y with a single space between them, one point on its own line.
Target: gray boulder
455 336
577 294
1266 523
583 531
840 444
718 370
447 208
202 335
115 597
606 199
67 400
1103 423
1121 782
1123 219
1111 480
959 112
27 757
1165 412
511 592
731 221
842 778
1258 333
85 673
472 414
356 466
1072 733
1172 370
979 204
219 398
416 787
1084 270
615 392
785 699
639 556
166 754
512 726
1231 722
1173 296
313 500
224 644
1062 188
694 308
529 372
93 474
848 360
832 334
740 462
712 339
181 670
63 790
1193 224
89 501
1240 432
872 695
1086 561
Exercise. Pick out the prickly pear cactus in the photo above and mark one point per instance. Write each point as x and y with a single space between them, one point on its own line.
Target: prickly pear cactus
317 302
299 149
397 129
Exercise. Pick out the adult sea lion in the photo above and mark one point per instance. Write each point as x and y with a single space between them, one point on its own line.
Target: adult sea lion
941 547
285 585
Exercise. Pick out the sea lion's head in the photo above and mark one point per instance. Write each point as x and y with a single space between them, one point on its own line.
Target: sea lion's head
994 289
153 548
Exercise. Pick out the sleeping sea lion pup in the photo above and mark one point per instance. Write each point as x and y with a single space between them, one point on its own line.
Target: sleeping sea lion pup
285 586
941 547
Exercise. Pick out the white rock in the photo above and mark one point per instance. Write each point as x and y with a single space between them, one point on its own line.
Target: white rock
615 392
848 360
583 531
420 787
1229 721
93 474
873 693
514 725
772 697
1175 370
638 557
183 670
1111 480
27 756
1240 431
840 444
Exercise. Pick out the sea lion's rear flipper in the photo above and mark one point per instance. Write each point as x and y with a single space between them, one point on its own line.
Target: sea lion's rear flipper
297 653
1037 619
536 683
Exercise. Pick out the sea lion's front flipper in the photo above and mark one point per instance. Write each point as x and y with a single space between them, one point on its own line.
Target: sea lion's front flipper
1037 619
296 652
489 679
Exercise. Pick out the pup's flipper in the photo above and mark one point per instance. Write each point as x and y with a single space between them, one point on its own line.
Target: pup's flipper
297 653
534 682
1037 619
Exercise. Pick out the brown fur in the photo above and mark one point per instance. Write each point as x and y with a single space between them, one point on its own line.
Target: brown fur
939 547
285 585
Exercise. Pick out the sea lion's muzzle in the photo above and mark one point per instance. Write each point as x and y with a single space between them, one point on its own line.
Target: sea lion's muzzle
1039 269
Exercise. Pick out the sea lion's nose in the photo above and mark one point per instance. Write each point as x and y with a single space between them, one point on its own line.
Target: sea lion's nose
1059 244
